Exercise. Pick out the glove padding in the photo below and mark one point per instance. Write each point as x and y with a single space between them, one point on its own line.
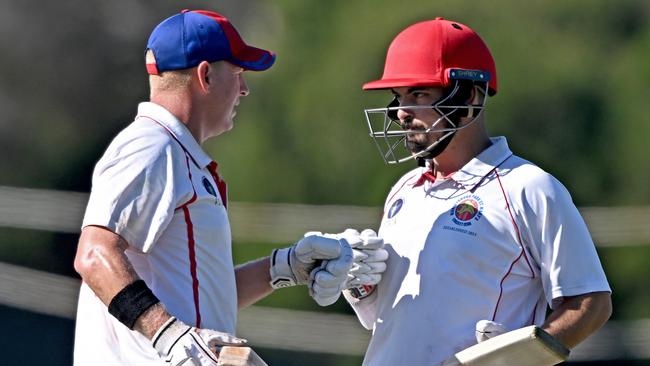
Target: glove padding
178 344
369 259
328 280
293 266
486 329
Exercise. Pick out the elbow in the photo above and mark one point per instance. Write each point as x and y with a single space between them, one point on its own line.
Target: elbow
607 307
90 258
601 308
84 260
96 250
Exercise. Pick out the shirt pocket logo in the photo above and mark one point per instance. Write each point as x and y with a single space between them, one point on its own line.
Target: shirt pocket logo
208 187
394 209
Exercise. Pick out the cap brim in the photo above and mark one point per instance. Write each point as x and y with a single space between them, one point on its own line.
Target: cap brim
401 82
255 59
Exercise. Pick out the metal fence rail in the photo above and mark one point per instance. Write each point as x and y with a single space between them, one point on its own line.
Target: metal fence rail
56 295
302 331
277 223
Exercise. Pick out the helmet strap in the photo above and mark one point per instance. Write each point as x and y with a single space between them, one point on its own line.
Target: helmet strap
438 147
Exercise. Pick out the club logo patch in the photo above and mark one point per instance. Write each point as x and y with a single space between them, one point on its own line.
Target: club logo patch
209 187
394 209
467 210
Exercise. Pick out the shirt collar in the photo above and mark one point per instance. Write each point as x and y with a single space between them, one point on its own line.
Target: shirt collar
177 128
476 169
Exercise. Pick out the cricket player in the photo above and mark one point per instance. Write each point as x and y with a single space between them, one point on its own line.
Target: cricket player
480 241
159 284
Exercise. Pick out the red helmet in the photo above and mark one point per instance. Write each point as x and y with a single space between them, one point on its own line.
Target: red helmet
433 53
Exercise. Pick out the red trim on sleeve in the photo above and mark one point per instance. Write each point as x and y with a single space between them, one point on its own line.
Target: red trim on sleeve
152 69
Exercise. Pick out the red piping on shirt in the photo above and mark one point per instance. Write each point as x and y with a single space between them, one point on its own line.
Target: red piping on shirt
191 246
496 307
521 254
221 184
512 218
175 138
192 257
400 188
190 227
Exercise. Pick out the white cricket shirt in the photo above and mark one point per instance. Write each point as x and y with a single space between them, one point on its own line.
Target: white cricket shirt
153 187
497 240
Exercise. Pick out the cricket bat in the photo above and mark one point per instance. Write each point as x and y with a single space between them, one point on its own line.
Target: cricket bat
239 356
528 346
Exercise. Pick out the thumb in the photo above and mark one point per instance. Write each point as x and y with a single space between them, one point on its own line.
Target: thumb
315 247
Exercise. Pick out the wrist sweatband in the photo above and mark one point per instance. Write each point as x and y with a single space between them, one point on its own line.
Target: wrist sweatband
131 302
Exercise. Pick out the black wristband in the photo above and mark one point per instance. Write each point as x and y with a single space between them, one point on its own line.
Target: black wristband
131 302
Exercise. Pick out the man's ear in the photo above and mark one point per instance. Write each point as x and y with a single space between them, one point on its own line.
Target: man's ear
478 95
203 74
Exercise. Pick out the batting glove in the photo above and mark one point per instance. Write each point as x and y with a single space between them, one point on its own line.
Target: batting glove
178 344
293 266
369 263
486 329
369 257
328 280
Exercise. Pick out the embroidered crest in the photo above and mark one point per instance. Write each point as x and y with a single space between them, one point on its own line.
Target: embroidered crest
467 209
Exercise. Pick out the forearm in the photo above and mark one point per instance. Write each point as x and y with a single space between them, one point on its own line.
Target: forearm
252 282
102 264
577 317
106 269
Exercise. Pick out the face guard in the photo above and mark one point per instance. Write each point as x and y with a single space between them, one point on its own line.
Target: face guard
390 135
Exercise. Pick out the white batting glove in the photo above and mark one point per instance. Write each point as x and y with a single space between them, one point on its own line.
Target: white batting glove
486 329
178 344
369 264
331 277
369 257
293 266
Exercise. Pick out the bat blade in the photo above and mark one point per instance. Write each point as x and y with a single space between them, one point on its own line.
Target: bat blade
528 346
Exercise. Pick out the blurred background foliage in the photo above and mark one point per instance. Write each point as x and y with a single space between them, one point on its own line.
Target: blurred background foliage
573 79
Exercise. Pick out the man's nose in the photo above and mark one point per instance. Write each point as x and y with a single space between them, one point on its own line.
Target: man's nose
405 115
243 87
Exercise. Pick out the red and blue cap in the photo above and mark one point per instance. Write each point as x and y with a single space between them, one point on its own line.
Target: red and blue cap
184 40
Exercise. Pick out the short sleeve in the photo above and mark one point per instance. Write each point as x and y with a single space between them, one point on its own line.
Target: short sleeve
562 245
134 188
